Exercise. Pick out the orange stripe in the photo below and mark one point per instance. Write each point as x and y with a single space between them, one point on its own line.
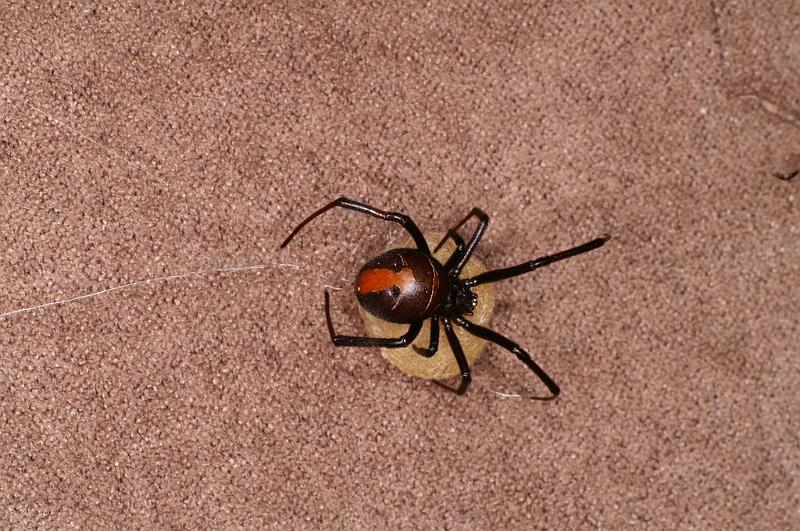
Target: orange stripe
380 279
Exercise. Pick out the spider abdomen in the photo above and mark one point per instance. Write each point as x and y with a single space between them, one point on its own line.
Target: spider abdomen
401 286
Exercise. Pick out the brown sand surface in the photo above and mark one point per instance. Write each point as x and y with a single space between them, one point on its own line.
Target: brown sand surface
141 141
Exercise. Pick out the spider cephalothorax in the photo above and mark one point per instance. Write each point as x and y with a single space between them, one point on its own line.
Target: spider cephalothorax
410 285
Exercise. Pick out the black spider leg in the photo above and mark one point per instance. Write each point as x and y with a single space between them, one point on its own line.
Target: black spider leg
344 202
358 341
787 176
483 222
458 352
459 248
433 344
524 357
508 272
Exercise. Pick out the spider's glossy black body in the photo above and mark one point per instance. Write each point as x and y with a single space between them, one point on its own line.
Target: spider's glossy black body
402 285
410 285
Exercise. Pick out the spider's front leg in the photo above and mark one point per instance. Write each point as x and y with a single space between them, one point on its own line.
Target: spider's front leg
490 335
358 341
543 261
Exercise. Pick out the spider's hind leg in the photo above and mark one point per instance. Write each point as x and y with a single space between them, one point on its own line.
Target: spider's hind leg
359 341
349 204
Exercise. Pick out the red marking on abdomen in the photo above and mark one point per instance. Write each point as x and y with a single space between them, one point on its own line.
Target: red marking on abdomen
380 279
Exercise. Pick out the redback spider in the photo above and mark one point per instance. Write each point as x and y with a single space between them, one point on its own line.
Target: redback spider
410 285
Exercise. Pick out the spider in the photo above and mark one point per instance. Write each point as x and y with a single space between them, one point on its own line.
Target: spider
410 285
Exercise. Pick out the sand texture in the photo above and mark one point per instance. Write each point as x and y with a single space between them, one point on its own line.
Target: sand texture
153 156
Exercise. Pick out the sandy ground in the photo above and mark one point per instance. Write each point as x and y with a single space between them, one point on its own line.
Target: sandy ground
141 142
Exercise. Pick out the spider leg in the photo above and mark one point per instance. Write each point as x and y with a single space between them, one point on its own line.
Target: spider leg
463 256
451 233
459 248
524 357
358 341
458 352
349 204
508 272
433 346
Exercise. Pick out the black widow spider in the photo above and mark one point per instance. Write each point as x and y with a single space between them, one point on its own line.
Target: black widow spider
410 285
